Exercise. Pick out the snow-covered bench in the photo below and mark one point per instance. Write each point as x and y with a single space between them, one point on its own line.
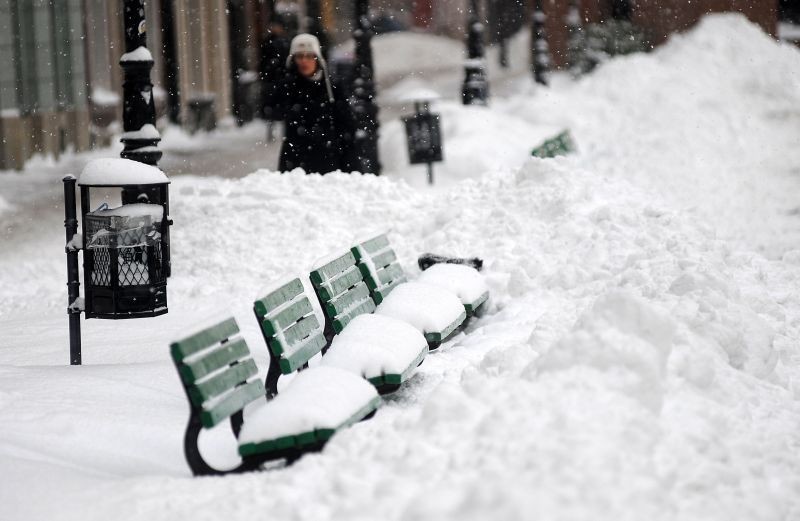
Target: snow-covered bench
424 299
220 378
385 350
378 263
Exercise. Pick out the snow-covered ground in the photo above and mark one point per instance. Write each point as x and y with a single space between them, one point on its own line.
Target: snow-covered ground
639 359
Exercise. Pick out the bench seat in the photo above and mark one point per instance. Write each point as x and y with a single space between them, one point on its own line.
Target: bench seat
383 350
434 311
317 402
464 281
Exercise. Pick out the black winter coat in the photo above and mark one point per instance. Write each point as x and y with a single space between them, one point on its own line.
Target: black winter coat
319 133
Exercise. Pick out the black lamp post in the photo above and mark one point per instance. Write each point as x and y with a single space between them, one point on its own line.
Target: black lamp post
475 90
138 108
541 51
314 24
363 97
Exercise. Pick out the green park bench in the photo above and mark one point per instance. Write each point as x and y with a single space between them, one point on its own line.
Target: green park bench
385 350
558 145
220 379
383 274
434 311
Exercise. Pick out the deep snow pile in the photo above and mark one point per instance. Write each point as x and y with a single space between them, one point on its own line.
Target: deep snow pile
633 364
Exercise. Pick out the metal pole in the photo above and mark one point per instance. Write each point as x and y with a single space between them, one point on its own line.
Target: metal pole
314 24
363 98
73 280
541 51
138 108
475 89
430 173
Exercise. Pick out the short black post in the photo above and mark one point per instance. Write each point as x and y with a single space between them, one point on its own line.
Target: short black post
475 89
541 51
73 277
363 98
430 173
138 107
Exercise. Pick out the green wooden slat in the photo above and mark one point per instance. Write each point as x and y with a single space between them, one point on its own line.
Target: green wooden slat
232 403
305 439
286 317
375 244
384 258
222 382
334 267
333 287
390 273
292 361
472 306
203 339
226 354
438 336
341 321
274 299
376 381
301 330
346 300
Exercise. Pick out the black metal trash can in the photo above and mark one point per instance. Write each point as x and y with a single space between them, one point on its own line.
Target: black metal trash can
126 258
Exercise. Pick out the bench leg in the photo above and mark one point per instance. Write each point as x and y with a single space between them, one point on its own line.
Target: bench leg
195 459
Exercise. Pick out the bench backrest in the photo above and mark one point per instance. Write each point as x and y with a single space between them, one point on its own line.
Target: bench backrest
217 372
379 266
341 290
290 327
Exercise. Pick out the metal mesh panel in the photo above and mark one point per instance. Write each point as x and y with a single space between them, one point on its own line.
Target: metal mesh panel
135 247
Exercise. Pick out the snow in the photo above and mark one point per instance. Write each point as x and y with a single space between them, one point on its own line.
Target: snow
120 172
639 358
788 31
463 281
140 54
428 308
154 211
319 398
147 131
104 97
372 345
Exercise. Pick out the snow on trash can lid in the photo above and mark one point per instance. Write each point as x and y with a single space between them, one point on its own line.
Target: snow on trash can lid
113 171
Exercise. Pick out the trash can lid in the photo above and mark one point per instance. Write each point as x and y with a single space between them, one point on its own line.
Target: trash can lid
115 171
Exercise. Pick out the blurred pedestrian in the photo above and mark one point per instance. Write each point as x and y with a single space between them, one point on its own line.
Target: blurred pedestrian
319 124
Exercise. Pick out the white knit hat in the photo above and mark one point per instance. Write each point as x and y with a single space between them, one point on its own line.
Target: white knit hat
309 43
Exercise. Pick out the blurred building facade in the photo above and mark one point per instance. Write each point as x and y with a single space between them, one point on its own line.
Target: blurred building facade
61 87
43 96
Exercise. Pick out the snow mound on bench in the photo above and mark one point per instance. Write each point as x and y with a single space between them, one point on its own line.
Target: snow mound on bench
318 398
466 282
428 308
373 345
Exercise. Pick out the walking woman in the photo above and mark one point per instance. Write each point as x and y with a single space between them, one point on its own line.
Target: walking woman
319 125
